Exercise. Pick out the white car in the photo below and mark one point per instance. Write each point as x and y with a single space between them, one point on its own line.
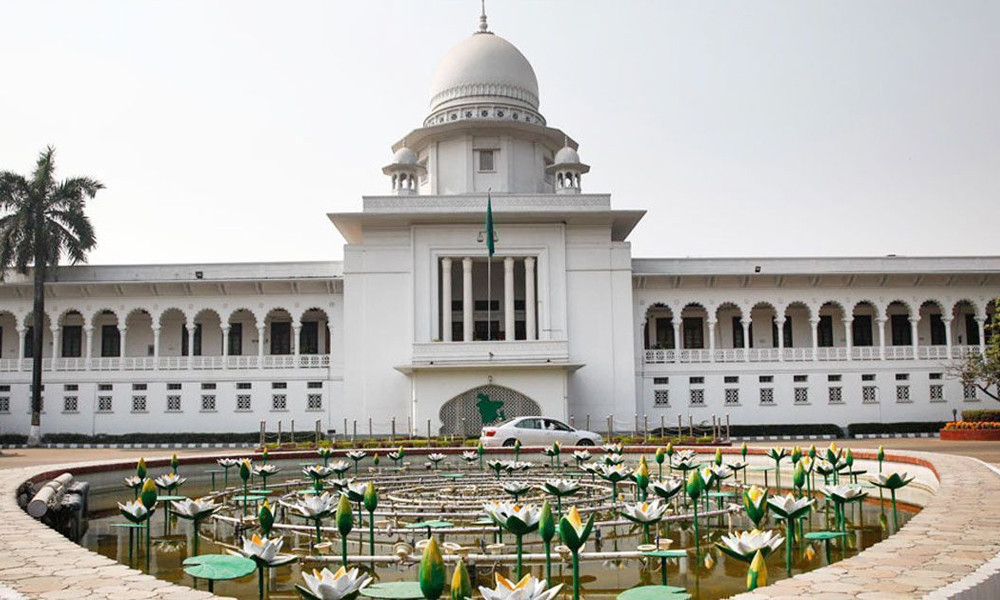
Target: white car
537 431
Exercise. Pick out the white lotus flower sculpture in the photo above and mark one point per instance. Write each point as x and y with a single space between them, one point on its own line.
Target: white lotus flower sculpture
581 456
528 588
516 488
317 471
613 448
644 512
324 585
263 549
470 456
134 511
315 507
194 510
844 493
169 482
614 459
356 454
667 488
436 458
340 467
790 507
743 545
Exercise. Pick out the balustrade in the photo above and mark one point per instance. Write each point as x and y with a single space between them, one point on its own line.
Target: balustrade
168 363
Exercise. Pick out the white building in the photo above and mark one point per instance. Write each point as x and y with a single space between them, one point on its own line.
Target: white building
408 330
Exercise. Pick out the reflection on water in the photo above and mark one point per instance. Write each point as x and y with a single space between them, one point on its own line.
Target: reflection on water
707 574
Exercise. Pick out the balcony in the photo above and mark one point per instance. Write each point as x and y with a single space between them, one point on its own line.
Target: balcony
171 363
770 355
514 353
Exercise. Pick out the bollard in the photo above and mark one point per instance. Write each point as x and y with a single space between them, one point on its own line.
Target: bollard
727 427
464 431
263 432
293 431
635 425
317 432
345 428
645 427
392 436
714 437
663 426
611 429
354 431
370 434
588 423
428 431
680 432
691 425
279 432
572 422
409 427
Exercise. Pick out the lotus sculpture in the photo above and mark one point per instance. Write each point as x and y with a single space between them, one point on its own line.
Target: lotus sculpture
790 508
560 488
574 533
528 588
324 585
743 545
195 511
516 518
357 456
644 514
892 482
516 488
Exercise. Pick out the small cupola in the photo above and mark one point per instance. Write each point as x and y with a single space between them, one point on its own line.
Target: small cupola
404 170
567 170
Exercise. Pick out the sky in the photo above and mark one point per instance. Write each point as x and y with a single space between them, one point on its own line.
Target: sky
224 131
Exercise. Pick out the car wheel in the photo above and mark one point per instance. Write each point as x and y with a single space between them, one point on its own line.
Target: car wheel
585 442
509 443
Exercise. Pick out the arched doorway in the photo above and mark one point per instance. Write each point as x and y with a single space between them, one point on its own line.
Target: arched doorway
466 413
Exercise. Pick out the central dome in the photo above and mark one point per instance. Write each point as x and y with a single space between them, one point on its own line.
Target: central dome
484 68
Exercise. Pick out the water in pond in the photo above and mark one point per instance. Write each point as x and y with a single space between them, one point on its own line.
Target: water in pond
421 495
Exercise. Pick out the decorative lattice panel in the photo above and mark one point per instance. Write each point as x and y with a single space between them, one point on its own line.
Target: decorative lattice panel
465 414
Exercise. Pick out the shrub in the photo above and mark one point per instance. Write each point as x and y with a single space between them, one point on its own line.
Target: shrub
971 425
903 427
813 429
989 415
13 439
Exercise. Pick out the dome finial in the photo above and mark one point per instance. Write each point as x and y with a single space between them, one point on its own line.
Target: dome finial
483 27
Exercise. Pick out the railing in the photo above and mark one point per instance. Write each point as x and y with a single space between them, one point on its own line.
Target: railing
735 355
865 353
833 353
798 354
963 351
696 356
728 355
899 352
168 363
659 356
498 351
765 354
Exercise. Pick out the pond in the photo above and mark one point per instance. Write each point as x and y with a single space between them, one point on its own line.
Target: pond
454 493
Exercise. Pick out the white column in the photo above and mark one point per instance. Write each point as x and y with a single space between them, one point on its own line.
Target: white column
814 325
225 347
88 343
508 298
296 330
156 348
914 322
56 354
881 337
780 324
261 329
467 323
122 338
21 331
446 299
947 333
711 340
849 336
745 322
980 323
529 298
191 329
678 340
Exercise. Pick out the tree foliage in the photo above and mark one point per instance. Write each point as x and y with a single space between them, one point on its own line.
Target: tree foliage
983 370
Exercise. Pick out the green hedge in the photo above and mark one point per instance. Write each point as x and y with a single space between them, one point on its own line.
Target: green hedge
814 429
152 438
13 439
980 416
903 427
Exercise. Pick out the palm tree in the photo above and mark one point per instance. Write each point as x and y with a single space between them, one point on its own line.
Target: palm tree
42 219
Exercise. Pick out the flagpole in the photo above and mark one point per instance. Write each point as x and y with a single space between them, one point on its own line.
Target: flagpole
489 296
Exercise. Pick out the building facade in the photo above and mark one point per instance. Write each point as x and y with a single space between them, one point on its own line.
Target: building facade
418 324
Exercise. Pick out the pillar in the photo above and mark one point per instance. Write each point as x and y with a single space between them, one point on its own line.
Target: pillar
261 330
780 324
467 323
849 336
122 338
678 340
21 331
88 343
446 299
947 333
508 298
296 330
980 324
745 322
191 329
56 354
225 346
530 326
814 327
914 322
156 348
711 340
881 337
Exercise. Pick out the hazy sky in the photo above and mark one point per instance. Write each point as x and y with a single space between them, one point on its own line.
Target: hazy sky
225 131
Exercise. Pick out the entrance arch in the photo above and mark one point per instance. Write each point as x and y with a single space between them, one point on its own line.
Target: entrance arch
464 414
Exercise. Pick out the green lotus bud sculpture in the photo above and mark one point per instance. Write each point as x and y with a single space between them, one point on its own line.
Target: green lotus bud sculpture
796 454
432 571
757 573
718 457
755 504
660 457
461 585
147 496
517 449
547 531
574 534
140 468
481 450
371 503
174 463
743 450
880 455
266 519
345 523
695 486
799 477
246 468
642 478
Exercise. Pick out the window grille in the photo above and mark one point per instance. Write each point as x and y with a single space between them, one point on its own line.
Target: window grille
800 378
836 395
243 385
732 397
696 380
314 402
937 392
279 402
869 395
243 402
71 404
138 387
767 396
208 386
71 387
661 397
766 379
173 387
208 403
661 380
138 404
4 404
104 387
697 397
315 385
173 404
902 376
902 393
868 377
104 404
279 385
731 379
833 378
969 392
801 395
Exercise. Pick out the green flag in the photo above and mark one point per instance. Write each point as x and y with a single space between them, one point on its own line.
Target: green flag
489 225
